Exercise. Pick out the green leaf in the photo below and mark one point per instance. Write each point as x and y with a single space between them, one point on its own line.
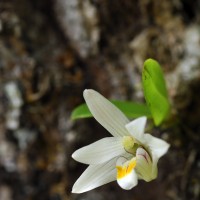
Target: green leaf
155 91
130 109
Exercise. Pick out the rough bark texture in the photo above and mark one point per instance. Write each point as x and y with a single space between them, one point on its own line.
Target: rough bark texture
51 50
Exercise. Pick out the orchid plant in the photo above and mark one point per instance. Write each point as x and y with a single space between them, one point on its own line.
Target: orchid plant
130 154
126 157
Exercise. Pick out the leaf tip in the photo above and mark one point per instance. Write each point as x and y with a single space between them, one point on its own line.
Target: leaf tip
150 61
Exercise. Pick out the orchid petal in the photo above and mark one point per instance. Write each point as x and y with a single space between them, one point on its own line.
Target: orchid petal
100 151
154 166
144 166
108 115
136 128
158 147
95 176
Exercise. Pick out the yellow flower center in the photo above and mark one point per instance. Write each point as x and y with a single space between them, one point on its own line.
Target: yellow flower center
126 168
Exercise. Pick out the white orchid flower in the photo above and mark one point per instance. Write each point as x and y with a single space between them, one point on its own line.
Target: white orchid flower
126 157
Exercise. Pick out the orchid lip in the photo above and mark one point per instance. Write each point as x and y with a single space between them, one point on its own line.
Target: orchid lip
126 175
